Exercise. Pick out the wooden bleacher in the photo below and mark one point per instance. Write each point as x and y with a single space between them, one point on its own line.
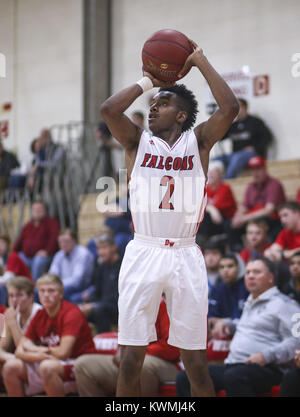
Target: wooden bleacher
90 221
10 220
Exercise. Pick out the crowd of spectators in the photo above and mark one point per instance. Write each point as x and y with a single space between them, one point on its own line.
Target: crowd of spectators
51 287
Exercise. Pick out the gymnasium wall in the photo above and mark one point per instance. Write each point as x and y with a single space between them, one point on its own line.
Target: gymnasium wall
42 42
263 34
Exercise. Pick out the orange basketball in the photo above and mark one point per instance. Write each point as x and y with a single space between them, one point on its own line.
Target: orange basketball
165 53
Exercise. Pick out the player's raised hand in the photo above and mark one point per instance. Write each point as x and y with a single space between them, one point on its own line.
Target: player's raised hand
193 60
156 82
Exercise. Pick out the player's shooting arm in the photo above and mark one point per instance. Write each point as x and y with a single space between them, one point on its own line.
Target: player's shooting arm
113 112
214 129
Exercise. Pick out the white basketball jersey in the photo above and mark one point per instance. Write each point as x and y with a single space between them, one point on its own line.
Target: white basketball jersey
167 187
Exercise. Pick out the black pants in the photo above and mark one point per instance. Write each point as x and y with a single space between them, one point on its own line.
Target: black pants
290 386
238 379
104 316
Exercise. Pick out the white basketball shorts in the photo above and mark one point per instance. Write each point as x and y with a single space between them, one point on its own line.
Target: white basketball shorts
152 266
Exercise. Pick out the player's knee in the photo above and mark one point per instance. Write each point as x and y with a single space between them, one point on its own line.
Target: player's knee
131 363
49 368
11 369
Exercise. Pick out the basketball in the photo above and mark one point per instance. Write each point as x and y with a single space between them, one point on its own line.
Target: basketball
165 53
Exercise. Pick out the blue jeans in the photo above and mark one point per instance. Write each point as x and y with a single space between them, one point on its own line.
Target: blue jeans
235 162
38 265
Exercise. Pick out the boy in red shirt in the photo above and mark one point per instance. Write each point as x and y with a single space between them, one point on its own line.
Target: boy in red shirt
288 240
221 204
57 335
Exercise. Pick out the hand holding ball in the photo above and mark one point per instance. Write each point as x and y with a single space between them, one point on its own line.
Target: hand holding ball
164 54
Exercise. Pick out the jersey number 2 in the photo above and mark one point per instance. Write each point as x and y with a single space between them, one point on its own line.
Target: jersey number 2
165 203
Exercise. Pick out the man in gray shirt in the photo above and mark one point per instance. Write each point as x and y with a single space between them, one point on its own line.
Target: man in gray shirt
263 346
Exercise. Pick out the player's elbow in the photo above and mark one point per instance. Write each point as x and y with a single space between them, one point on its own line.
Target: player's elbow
108 109
105 108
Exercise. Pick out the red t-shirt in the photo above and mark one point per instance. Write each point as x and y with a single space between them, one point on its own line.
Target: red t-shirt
69 321
288 240
16 265
298 196
223 199
2 309
161 348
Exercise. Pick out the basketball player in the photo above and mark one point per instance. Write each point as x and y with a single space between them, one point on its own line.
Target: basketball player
163 256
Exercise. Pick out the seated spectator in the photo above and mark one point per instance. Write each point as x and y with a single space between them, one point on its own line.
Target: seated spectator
250 136
291 287
55 337
221 204
18 316
37 242
263 345
226 299
8 162
100 302
288 240
74 264
49 153
213 252
256 240
262 196
290 386
96 375
49 156
35 147
10 265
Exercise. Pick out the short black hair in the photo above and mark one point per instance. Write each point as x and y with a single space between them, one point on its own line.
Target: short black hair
296 254
271 266
231 256
188 102
214 245
291 205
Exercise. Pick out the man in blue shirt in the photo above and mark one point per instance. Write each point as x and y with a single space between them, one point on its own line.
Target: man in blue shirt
74 264
100 301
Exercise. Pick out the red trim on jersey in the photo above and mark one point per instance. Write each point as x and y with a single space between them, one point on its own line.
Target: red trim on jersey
205 192
132 223
173 146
